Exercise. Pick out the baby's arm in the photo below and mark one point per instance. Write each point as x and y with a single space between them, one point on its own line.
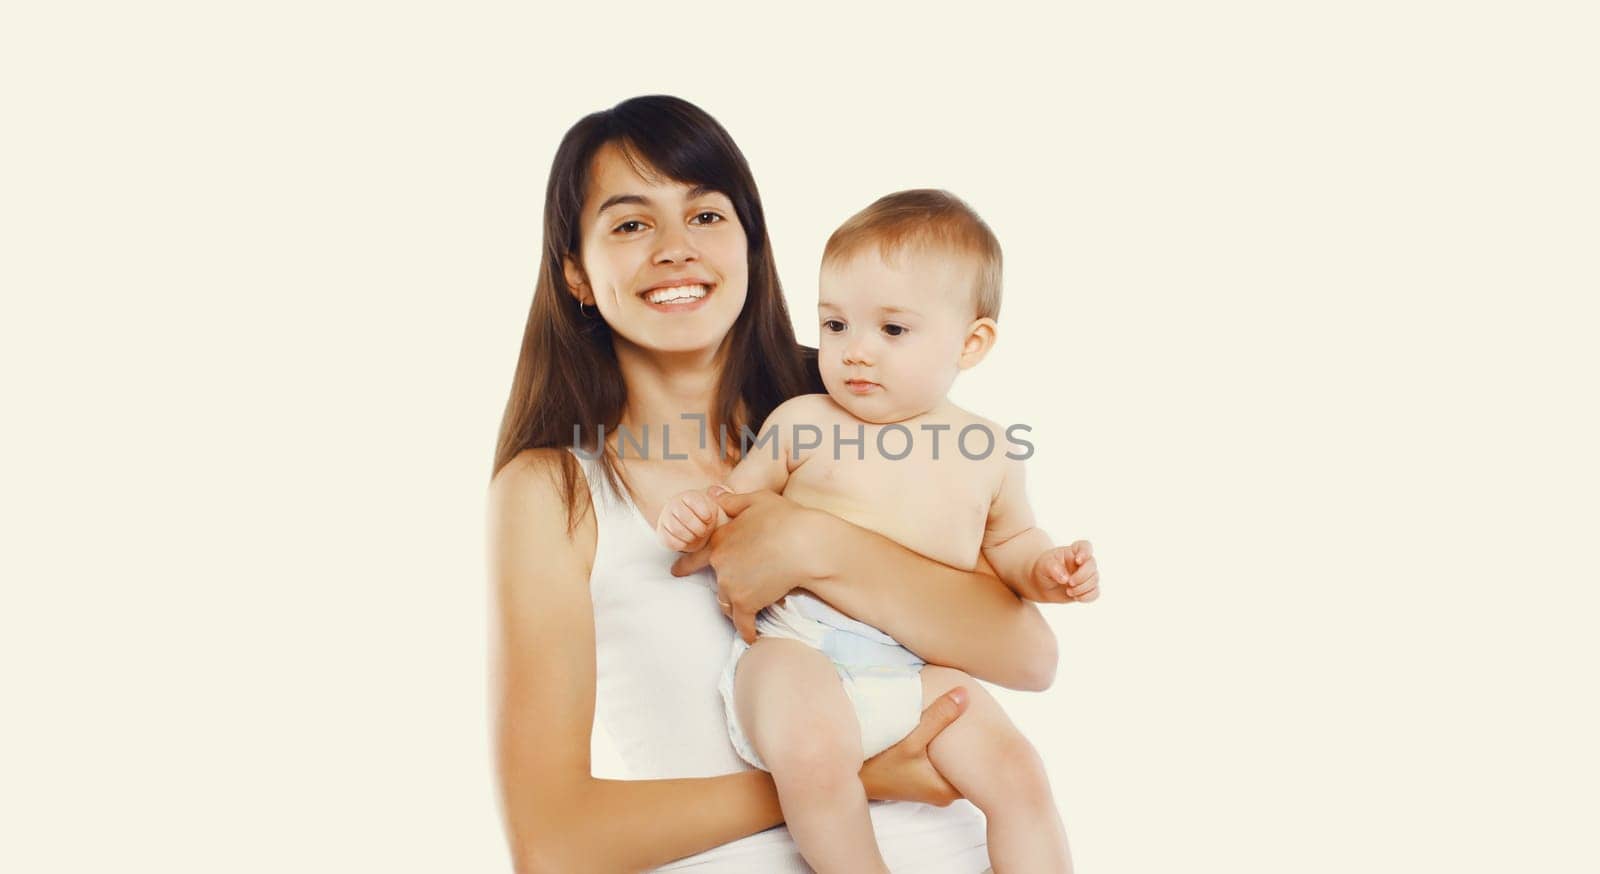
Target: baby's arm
688 520
1023 555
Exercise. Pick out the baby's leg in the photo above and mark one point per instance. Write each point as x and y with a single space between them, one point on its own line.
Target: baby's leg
793 709
984 756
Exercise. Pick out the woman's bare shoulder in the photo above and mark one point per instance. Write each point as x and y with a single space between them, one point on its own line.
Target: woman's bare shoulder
536 474
528 466
528 509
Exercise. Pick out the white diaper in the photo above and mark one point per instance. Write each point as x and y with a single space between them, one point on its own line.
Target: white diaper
882 679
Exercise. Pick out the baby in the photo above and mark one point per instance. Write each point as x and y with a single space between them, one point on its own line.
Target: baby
909 294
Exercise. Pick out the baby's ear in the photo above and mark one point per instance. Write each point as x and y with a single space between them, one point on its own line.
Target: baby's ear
981 336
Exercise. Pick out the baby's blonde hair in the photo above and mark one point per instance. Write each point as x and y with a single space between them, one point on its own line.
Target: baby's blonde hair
931 220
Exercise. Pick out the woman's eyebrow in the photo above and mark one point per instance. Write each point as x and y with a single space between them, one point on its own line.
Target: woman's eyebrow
619 199
640 200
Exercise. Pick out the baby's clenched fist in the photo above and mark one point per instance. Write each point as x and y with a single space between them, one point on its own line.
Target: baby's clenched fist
1067 573
687 521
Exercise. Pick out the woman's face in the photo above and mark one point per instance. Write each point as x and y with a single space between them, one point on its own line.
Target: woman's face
665 263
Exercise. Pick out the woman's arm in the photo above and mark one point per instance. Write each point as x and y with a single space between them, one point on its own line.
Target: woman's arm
963 619
558 817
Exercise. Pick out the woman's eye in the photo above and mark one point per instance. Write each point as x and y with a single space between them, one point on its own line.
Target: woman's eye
833 326
894 330
629 227
707 218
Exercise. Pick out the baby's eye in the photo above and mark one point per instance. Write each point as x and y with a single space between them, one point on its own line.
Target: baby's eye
832 326
629 227
894 330
707 218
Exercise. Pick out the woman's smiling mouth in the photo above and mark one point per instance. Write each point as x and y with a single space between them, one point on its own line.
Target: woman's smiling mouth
676 296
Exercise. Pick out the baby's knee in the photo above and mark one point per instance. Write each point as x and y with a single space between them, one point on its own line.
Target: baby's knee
1018 766
987 735
818 761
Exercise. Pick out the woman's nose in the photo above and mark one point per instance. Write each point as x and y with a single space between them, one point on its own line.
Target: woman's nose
674 247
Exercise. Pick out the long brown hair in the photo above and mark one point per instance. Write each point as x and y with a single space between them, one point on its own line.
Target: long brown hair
567 373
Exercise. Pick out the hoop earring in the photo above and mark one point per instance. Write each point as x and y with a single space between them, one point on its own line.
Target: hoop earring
585 313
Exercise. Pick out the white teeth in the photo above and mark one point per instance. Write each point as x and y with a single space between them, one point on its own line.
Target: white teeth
677 293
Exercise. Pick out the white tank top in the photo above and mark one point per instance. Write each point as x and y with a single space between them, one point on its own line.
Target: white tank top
660 643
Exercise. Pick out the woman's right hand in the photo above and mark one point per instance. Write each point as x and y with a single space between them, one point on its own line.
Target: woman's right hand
759 554
904 772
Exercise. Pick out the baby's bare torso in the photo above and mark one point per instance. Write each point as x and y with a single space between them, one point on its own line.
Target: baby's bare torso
937 506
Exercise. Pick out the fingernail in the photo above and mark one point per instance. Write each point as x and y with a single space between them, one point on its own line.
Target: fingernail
959 696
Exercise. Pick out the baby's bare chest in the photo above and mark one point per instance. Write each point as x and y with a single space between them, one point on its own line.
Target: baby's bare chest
934 506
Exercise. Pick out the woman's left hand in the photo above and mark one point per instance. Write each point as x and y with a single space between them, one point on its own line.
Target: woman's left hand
904 772
758 555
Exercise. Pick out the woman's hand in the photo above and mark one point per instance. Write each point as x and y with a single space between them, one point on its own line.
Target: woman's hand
903 772
765 549
965 619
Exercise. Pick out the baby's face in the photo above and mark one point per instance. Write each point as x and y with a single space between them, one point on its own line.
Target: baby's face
892 333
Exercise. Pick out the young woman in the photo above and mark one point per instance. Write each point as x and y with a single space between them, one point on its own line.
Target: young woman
658 309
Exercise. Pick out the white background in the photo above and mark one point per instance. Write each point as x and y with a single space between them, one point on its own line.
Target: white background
1299 301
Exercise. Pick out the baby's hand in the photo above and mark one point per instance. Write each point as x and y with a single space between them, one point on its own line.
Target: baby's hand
687 521
1066 573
